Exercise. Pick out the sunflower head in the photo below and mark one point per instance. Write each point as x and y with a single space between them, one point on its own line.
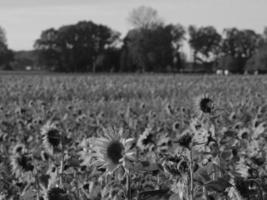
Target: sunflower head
204 104
244 133
21 163
18 149
175 126
185 140
51 137
112 150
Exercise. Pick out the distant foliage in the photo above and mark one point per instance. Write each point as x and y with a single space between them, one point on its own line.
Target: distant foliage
6 55
205 42
74 48
145 18
150 46
153 50
258 61
240 45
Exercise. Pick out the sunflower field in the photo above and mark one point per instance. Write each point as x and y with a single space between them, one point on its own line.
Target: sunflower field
133 137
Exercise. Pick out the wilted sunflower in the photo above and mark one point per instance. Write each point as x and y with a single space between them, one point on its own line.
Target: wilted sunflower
112 150
21 161
204 104
51 137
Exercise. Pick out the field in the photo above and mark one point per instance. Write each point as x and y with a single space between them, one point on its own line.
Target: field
137 136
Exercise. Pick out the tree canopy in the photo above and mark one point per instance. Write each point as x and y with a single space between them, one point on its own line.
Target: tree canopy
74 47
6 55
145 18
205 42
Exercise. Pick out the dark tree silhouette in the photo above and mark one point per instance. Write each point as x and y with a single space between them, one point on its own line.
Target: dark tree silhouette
152 50
6 55
240 45
74 48
205 42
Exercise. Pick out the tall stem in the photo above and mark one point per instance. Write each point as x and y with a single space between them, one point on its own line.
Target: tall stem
37 186
191 189
129 194
61 170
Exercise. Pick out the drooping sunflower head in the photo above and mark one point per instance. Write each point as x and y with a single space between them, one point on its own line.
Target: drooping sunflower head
204 104
51 137
112 150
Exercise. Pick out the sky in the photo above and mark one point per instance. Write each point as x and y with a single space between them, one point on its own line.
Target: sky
24 20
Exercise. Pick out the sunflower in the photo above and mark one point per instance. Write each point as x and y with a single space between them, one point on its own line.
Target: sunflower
112 150
21 161
146 140
176 126
204 104
185 139
51 137
18 149
244 133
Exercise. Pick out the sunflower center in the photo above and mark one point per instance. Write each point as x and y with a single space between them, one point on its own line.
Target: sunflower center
53 137
206 105
25 163
148 139
114 151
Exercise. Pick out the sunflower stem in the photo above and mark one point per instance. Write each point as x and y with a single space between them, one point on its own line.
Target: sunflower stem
61 162
37 186
129 194
191 188
61 170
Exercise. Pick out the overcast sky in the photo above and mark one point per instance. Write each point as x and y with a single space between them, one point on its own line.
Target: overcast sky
24 20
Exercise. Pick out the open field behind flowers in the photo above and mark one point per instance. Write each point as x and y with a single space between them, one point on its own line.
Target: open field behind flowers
133 137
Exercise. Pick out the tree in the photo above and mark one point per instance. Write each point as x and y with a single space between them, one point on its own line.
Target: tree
145 18
258 62
205 42
6 55
74 48
177 33
109 60
152 49
265 34
240 45
48 50
3 39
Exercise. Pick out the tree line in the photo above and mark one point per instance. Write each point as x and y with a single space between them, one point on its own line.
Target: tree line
150 46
